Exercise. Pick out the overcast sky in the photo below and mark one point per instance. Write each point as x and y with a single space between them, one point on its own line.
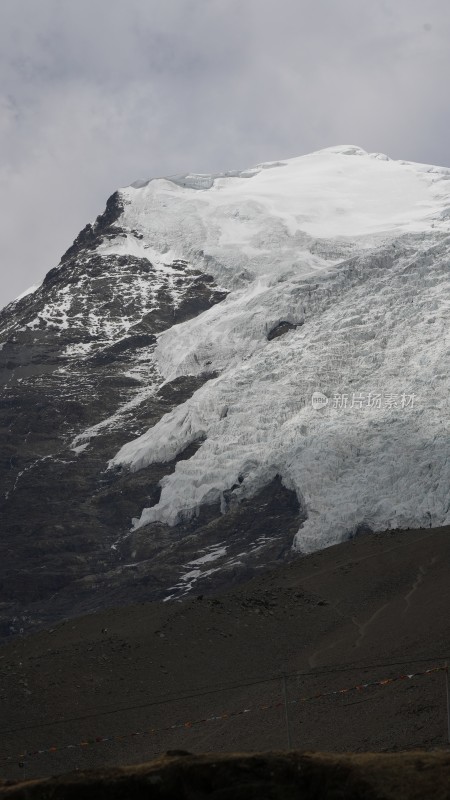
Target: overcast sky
95 94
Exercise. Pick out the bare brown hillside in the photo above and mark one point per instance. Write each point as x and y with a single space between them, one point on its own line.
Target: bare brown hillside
373 608
262 776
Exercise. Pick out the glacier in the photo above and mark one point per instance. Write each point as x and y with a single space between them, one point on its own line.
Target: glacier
350 252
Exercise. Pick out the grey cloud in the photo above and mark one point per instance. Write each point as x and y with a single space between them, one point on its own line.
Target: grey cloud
98 93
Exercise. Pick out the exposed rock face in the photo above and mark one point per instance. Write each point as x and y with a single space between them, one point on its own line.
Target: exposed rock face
77 355
260 776
280 329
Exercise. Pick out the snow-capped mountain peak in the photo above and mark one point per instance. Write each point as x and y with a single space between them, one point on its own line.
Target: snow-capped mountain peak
260 357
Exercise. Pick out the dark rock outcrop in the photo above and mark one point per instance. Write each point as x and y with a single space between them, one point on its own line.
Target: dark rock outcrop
92 235
282 328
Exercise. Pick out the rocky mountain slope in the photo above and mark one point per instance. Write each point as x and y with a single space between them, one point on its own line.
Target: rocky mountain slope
158 434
